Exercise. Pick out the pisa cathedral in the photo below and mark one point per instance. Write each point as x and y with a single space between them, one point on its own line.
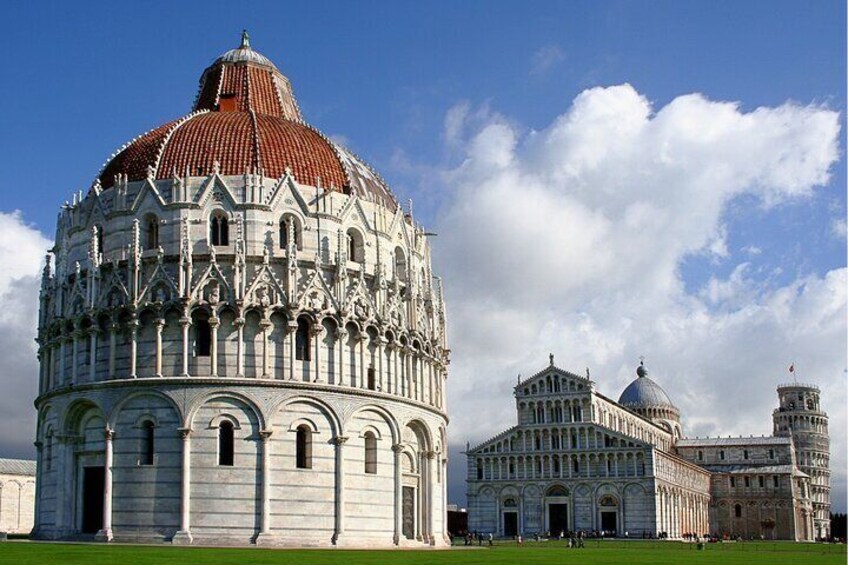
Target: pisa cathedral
579 461
241 339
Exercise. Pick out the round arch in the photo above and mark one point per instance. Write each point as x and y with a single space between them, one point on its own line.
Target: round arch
332 416
227 394
387 416
116 410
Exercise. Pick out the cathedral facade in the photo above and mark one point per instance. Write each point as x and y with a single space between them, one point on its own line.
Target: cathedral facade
579 461
241 340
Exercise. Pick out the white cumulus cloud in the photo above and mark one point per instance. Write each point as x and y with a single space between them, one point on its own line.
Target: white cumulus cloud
22 250
571 239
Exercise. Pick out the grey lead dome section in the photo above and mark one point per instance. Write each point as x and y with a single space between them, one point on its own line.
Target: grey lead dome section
644 392
243 53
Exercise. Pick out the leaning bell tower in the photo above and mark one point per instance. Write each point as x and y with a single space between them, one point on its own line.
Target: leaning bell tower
800 417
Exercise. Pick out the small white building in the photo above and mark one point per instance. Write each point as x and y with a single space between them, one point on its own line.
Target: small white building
17 495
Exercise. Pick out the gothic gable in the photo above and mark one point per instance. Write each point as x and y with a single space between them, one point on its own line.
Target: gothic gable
553 380
265 289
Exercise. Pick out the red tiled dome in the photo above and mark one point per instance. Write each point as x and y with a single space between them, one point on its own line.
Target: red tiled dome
245 120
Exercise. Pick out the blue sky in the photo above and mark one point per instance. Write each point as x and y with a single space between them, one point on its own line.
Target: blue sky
84 78
89 76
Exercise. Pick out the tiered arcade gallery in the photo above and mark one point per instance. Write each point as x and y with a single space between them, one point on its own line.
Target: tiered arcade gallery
579 461
241 340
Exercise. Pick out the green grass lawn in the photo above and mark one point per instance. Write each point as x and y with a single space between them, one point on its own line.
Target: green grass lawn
541 553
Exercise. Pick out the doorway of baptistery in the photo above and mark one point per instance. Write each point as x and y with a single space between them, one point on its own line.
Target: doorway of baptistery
408 517
93 479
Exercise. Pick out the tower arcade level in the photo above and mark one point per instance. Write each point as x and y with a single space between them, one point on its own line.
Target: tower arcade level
800 417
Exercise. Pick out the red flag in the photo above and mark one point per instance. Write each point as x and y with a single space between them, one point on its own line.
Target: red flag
792 368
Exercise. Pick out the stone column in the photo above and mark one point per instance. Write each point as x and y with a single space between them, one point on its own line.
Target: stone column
213 345
398 451
341 338
239 323
74 358
430 388
185 323
444 512
317 330
183 536
92 353
43 357
134 347
381 342
390 371
290 336
265 326
265 524
114 328
407 370
360 347
429 457
105 534
60 466
339 442
62 362
160 323
39 467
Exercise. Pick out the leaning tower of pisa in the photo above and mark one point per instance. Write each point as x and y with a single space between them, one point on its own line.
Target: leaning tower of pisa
801 417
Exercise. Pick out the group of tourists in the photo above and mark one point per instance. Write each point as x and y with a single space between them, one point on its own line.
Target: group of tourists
471 537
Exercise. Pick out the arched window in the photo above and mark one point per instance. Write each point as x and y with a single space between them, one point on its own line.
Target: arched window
303 448
147 443
479 470
151 232
202 338
372 378
303 351
370 453
355 246
225 443
219 229
738 510
289 226
400 264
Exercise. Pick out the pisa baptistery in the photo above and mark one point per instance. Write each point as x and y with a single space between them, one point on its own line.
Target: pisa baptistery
241 339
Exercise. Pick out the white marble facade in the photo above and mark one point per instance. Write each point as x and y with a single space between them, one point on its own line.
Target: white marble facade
17 495
579 461
283 385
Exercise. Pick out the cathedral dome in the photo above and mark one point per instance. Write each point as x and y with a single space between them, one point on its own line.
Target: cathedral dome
245 121
644 392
